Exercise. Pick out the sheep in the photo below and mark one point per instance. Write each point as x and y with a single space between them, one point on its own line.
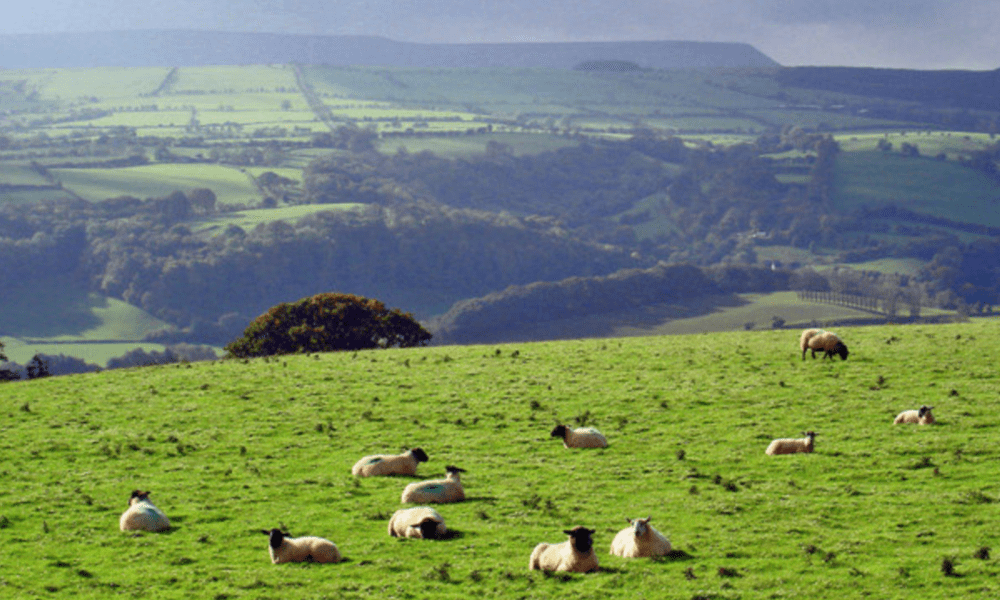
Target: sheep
422 522
283 548
584 437
921 416
444 490
389 464
576 554
804 339
792 445
824 341
142 515
639 539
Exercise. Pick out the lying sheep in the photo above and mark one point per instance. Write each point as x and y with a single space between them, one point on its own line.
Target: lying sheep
142 515
824 341
921 416
284 549
583 437
576 554
389 464
444 490
422 522
792 445
640 539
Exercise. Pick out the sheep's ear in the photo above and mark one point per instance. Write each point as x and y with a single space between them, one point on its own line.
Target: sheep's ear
568 531
648 518
628 520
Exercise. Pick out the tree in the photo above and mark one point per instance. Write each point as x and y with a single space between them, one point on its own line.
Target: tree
325 323
37 368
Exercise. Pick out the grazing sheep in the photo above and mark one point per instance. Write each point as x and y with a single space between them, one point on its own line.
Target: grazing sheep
142 515
576 554
824 341
804 339
389 464
444 490
584 437
422 522
792 445
921 416
283 548
640 539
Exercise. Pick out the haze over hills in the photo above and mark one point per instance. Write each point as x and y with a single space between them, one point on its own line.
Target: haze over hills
196 48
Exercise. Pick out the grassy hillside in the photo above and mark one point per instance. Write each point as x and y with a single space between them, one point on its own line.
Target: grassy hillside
228 448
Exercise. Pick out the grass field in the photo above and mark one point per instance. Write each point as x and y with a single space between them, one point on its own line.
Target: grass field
228 448
940 188
152 181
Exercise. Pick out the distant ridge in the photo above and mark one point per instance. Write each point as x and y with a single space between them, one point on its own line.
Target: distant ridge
195 48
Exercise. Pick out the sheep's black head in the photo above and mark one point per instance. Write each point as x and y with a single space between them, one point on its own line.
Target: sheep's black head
453 470
580 538
419 454
138 496
275 537
841 349
428 529
559 432
923 410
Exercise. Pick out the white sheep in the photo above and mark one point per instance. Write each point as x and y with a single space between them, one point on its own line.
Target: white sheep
804 339
142 515
389 464
283 548
921 416
444 490
576 554
792 445
422 522
583 437
640 539
823 341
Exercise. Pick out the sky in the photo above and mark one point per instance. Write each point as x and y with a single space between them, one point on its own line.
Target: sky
912 34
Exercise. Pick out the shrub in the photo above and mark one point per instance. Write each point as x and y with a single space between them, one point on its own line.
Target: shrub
326 323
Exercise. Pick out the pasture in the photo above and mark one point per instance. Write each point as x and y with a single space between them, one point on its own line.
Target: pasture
231 186
230 447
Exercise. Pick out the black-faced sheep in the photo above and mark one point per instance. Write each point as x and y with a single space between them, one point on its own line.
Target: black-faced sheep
921 416
422 522
640 539
142 515
389 464
583 437
444 490
576 554
284 549
792 445
822 341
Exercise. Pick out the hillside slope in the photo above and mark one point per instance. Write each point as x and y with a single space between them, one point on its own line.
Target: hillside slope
194 48
230 448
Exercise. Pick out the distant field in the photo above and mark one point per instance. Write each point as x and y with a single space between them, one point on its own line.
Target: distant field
452 147
151 181
248 219
98 354
941 188
234 78
759 310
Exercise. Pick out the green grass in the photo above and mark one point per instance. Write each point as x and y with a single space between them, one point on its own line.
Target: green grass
228 448
940 188
151 181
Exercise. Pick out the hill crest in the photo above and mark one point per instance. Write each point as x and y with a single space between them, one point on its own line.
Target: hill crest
197 48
